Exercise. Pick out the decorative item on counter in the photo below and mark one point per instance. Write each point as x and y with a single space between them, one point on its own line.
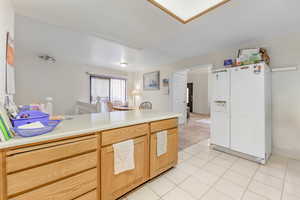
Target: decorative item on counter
29 116
45 127
6 130
228 63
29 123
58 117
49 106
237 62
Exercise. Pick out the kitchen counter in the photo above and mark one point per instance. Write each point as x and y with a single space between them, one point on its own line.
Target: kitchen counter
76 161
89 123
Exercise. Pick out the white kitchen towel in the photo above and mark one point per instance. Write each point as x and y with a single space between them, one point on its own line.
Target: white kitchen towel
123 156
162 142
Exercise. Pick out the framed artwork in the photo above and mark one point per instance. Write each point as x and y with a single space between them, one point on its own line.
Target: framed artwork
151 80
10 65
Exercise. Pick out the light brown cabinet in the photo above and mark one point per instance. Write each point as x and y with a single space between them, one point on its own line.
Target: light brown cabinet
159 164
58 170
82 168
114 186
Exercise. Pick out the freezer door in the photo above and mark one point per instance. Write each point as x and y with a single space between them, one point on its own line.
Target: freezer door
220 127
220 85
248 110
220 130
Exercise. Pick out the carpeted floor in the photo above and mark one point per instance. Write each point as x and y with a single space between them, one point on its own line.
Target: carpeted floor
196 130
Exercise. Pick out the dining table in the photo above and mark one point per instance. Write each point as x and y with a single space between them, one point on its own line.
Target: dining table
124 108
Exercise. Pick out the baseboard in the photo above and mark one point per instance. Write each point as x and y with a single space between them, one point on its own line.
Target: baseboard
286 153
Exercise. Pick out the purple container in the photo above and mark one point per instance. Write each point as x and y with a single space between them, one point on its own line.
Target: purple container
49 126
31 116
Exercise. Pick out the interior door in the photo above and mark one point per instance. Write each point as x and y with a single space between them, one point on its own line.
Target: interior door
179 103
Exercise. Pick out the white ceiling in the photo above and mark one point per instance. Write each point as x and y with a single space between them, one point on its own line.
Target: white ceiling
141 33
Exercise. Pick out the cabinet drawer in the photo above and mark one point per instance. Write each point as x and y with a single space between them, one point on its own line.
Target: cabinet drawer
66 189
89 196
113 186
35 177
122 134
163 125
34 156
167 160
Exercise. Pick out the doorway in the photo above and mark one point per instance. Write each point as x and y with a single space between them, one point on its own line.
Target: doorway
189 92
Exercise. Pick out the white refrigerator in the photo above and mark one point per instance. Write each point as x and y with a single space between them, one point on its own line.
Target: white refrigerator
243 125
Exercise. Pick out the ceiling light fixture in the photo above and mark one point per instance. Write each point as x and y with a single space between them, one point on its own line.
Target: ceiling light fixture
124 64
186 11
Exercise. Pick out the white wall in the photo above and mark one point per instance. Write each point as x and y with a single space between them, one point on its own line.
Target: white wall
200 91
65 82
159 99
6 25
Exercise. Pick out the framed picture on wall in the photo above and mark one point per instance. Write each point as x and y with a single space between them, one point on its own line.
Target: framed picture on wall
151 80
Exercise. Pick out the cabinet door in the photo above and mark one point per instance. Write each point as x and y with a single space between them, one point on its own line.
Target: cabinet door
167 160
114 186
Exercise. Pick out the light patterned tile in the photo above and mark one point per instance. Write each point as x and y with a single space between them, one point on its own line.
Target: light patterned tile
244 169
214 169
177 194
207 155
142 193
182 156
222 162
228 157
176 175
277 162
293 177
279 173
194 187
206 177
294 164
292 189
187 168
237 178
287 196
233 190
247 163
215 195
252 196
197 162
269 180
265 190
161 185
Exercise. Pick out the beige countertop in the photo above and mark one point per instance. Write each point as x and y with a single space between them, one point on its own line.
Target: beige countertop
83 124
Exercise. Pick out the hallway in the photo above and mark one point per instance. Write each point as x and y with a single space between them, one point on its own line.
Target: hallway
197 129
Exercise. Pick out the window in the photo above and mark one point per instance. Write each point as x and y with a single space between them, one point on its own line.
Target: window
186 11
109 89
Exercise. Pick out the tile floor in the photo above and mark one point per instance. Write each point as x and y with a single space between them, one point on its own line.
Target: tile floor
205 174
